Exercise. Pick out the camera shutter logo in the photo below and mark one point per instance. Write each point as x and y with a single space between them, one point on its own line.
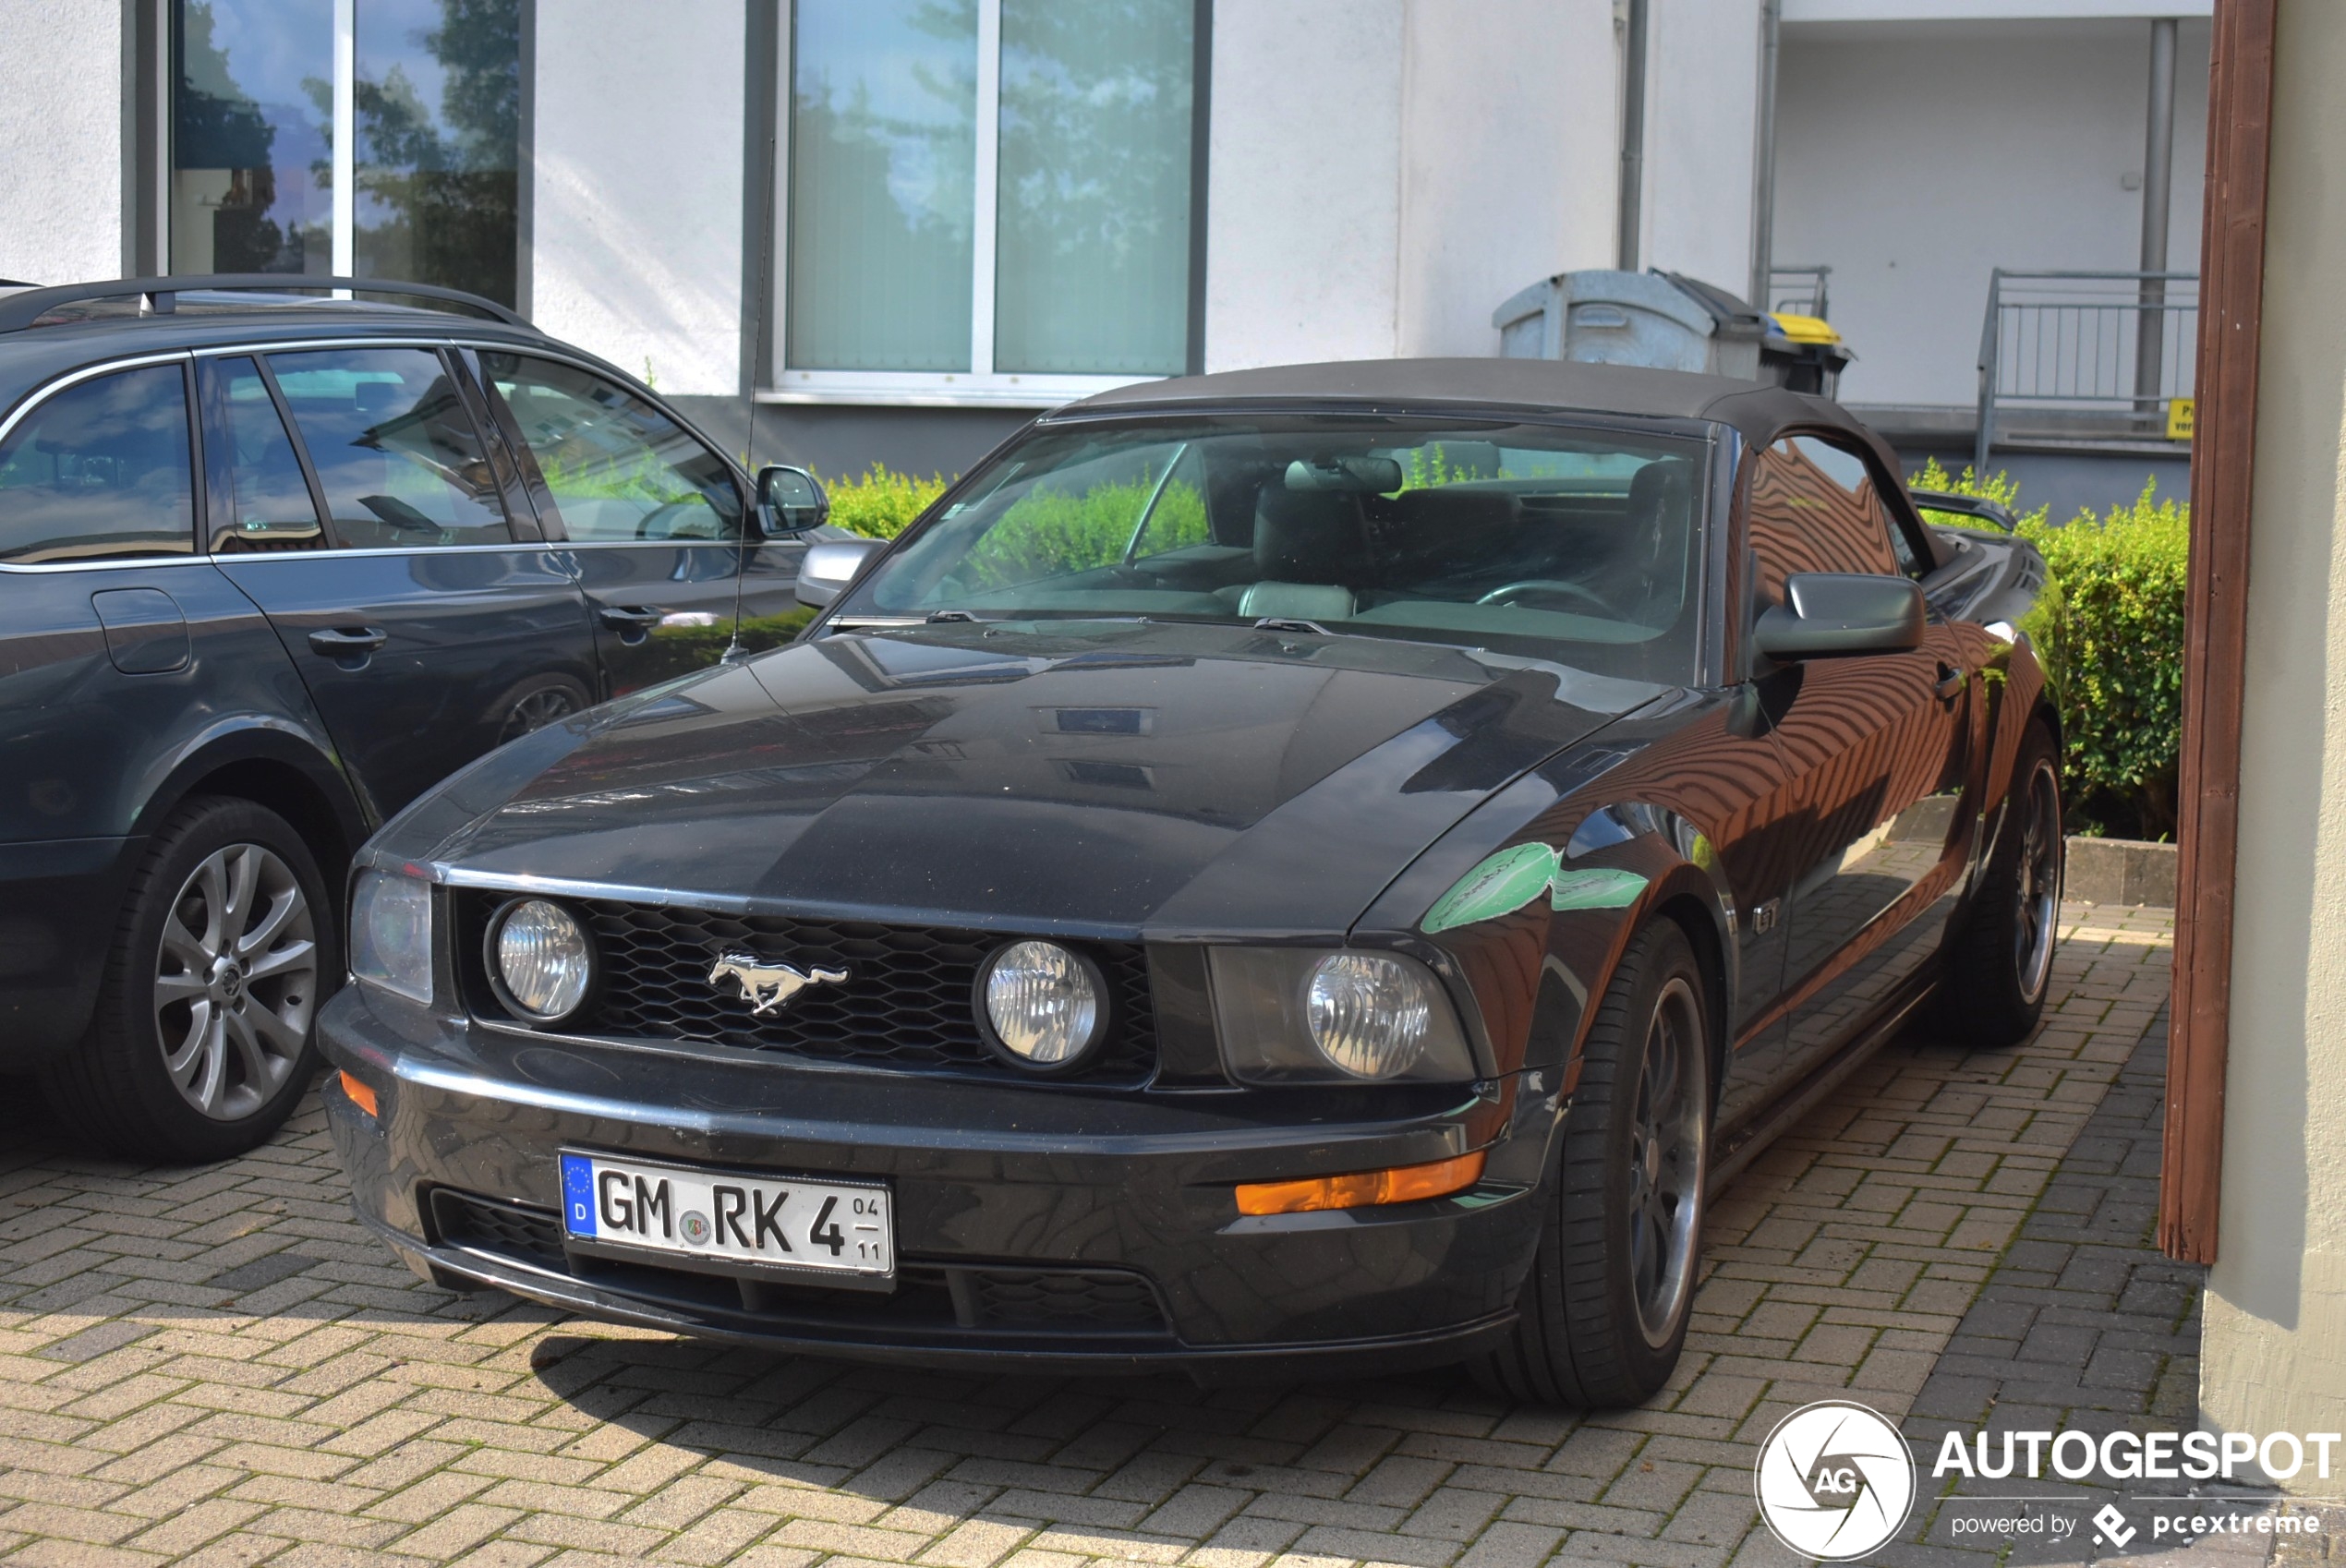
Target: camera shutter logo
1835 1480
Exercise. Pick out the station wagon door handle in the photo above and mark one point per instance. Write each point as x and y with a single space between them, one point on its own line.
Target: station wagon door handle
631 618
1950 681
344 641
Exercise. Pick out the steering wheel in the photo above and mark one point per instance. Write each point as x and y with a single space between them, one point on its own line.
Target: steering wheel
1508 594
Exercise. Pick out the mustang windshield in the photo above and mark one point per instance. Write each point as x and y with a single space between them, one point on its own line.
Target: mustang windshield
1579 545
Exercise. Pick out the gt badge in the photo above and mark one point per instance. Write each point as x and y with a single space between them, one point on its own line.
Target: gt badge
768 986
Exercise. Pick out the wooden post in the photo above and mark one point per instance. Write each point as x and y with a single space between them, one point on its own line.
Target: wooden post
2239 101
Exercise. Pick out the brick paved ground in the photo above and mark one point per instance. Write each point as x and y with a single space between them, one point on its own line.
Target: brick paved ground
218 1366
2084 1325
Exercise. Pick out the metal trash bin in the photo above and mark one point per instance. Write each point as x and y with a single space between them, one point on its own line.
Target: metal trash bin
1666 321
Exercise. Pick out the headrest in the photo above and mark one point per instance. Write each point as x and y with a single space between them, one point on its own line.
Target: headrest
1308 536
1664 482
1297 601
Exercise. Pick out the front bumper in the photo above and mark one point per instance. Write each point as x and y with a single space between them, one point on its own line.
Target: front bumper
1053 1227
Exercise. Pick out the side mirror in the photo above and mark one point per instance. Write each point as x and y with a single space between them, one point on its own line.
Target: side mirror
790 501
1833 614
830 565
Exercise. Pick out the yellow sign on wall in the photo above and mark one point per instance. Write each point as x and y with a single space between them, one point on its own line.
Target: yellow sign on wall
2179 419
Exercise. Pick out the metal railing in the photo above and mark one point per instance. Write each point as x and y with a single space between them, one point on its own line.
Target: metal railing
1797 290
2093 356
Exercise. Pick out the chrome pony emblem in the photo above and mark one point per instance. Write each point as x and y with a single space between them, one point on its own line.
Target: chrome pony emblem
765 986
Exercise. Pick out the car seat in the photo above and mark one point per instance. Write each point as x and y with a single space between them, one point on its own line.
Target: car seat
1309 546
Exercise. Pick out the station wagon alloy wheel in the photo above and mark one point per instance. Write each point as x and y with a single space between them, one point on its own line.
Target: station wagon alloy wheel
236 981
1666 1165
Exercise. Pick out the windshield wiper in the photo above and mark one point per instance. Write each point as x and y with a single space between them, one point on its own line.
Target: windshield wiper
1291 624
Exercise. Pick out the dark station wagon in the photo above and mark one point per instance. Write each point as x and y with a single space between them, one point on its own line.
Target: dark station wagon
270 565
1290 869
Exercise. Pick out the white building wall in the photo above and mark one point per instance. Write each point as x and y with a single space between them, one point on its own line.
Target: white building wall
1385 172
636 252
1913 157
1510 141
1701 121
61 118
1303 202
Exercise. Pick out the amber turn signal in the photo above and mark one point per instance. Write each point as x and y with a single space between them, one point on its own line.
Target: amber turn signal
1403 1184
360 1095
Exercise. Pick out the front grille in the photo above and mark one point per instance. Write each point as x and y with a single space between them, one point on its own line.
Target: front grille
1098 1303
503 1230
908 1003
1039 1299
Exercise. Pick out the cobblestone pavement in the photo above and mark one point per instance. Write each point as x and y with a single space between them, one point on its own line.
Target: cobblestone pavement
2084 1326
218 1366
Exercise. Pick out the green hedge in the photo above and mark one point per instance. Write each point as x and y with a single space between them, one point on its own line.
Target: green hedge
2110 629
882 503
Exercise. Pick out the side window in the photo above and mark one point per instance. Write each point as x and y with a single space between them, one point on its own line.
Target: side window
100 470
273 509
1813 509
616 467
398 457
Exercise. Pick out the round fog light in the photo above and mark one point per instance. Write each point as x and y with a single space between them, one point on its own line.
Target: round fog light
542 959
1369 1014
1044 1005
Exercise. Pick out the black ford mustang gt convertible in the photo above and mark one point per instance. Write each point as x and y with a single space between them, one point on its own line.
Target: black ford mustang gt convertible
1276 871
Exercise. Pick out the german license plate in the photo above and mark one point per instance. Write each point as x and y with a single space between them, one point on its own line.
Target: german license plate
722 1216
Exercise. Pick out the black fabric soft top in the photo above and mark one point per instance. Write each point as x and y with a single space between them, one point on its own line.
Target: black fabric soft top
1760 411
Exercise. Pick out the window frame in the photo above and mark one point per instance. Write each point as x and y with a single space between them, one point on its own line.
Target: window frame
981 385
199 551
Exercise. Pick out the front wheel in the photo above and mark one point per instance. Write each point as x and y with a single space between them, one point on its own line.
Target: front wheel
200 1045
1602 1316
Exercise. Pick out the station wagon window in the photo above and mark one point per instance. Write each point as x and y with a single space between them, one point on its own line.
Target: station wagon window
272 505
396 452
616 468
1573 543
1814 508
100 470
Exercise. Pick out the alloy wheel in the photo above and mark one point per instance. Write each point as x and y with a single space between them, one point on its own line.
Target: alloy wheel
236 981
1666 1162
536 710
2039 882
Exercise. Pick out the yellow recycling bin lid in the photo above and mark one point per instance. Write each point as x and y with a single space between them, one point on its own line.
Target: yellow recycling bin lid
1804 328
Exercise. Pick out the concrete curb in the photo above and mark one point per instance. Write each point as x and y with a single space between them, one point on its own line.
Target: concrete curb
2120 871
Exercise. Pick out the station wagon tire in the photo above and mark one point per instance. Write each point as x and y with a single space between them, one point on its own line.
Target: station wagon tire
1999 959
1603 1313
537 702
202 1043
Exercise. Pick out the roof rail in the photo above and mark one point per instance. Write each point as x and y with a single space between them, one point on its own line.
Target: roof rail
158 296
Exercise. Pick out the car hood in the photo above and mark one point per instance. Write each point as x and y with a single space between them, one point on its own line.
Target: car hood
1092 779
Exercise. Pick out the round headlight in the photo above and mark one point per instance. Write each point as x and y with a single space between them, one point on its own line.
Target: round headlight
541 958
1369 1014
1045 1005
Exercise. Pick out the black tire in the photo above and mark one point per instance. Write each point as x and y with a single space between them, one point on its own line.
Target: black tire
176 984
1602 1315
1998 962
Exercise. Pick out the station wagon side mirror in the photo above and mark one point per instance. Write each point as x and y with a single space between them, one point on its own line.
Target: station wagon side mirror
789 501
1835 614
830 565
